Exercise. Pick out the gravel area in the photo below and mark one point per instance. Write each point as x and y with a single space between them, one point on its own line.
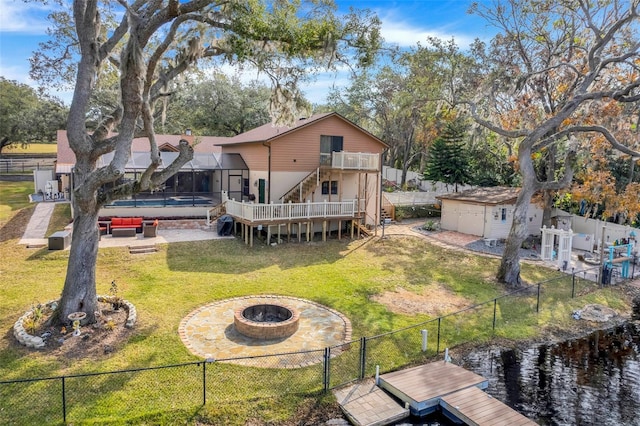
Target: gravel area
480 246
477 245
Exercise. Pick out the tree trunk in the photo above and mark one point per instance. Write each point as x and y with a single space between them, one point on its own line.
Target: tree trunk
547 200
509 271
79 293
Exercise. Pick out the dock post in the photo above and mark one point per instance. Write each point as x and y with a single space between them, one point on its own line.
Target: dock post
425 336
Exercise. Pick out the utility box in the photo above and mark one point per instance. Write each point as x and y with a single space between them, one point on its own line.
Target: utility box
60 240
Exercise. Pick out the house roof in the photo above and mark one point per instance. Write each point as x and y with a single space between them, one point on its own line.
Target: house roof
269 132
201 145
206 145
490 196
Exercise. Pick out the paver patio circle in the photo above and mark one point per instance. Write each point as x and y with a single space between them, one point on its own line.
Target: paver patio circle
208 332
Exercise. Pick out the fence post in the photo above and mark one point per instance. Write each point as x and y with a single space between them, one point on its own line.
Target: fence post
64 403
573 283
204 383
363 356
438 345
495 305
425 337
327 357
538 302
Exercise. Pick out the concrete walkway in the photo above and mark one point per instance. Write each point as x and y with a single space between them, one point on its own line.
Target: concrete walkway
38 224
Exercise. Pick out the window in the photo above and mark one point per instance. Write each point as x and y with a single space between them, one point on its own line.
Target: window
334 187
504 215
329 144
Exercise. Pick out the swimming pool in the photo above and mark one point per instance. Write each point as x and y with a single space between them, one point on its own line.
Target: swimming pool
163 202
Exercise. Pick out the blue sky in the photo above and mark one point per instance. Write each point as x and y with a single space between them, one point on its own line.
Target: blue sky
404 23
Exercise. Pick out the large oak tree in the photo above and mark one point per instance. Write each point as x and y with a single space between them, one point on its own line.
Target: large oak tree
27 116
544 81
147 45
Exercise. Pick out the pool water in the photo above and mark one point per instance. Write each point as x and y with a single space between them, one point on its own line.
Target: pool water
162 202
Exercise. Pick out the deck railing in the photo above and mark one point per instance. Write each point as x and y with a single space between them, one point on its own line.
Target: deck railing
355 161
291 211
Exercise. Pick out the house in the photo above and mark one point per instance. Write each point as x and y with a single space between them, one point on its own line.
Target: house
315 176
485 212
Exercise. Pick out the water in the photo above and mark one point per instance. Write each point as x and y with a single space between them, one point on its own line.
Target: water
589 381
159 202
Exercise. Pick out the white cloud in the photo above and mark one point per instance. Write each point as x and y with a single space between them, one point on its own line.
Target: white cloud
396 29
17 16
405 35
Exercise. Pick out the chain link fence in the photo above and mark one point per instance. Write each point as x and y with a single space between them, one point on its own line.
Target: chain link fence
117 395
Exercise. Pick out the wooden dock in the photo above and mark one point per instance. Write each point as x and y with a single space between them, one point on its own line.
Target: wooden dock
423 387
437 386
365 404
475 407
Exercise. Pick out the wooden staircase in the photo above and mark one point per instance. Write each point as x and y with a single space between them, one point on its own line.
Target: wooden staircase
305 187
214 213
387 210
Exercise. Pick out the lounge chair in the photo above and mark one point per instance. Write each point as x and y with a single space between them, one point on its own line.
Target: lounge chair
150 229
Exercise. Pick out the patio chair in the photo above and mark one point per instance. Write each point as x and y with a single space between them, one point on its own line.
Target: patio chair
150 229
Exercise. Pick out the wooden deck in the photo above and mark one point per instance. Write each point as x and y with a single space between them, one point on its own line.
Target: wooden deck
453 390
423 387
365 404
475 407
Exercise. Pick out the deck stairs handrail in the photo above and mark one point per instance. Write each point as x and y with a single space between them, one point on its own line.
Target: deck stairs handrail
253 212
388 210
302 189
215 212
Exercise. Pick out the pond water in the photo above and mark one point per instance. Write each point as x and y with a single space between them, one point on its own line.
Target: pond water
590 381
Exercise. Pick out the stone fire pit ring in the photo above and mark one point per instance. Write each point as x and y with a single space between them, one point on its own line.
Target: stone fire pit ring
211 331
266 321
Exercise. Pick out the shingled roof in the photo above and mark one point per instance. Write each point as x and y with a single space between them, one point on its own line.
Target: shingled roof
489 196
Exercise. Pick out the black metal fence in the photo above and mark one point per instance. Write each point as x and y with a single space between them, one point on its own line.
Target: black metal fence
118 395
24 165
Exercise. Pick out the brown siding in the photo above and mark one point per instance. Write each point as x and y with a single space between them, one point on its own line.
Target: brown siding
303 145
255 155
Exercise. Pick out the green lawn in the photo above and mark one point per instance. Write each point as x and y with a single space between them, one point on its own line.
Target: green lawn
167 285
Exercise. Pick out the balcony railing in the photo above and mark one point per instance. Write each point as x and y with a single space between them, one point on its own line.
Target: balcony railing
355 161
291 211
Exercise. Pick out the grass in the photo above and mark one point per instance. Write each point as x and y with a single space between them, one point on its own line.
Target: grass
167 285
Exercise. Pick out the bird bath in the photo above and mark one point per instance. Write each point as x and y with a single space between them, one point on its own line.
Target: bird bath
75 318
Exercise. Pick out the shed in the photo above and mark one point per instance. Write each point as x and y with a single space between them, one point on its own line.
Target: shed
485 212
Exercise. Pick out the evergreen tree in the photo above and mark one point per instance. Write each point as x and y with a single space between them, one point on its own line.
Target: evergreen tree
448 161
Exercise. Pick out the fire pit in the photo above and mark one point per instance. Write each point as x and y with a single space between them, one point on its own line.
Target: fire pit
266 321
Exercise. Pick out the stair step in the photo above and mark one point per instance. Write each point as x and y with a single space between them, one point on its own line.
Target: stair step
142 249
